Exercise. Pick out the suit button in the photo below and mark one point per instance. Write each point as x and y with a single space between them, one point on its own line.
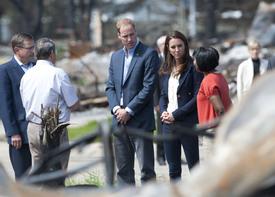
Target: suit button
189 93
178 96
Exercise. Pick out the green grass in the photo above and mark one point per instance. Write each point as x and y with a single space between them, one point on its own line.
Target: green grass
61 48
91 178
76 132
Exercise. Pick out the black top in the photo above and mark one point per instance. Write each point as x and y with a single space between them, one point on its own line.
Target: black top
256 65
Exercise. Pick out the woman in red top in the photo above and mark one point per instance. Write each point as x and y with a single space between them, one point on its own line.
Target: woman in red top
213 97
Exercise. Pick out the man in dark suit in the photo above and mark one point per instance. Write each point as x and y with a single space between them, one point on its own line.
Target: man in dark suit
271 63
130 87
12 112
160 148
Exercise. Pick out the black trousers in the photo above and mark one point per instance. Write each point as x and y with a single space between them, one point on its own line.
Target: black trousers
20 159
126 147
172 149
160 148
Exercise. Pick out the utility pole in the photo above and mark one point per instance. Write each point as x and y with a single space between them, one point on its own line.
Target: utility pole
182 18
210 22
96 28
192 19
189 28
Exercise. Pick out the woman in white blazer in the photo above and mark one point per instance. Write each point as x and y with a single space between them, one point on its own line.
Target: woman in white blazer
250 68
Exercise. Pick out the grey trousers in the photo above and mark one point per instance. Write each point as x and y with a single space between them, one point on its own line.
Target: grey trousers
34 144
125 148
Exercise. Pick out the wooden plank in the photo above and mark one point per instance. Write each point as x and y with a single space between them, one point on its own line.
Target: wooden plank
94 101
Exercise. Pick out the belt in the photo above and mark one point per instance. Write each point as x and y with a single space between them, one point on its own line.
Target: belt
34 123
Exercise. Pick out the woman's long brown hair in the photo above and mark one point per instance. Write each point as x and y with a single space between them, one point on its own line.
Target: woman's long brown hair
169 61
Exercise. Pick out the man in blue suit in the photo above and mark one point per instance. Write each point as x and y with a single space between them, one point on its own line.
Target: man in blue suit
132 80
12 111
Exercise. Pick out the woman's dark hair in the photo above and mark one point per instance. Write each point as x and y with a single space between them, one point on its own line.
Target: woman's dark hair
207 58
169 61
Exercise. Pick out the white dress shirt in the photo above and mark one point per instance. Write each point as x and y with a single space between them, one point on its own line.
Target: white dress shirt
41 85
173 85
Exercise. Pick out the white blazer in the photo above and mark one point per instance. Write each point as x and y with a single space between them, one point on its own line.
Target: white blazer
245 75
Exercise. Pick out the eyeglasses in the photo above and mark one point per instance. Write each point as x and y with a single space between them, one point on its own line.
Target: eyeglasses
27 48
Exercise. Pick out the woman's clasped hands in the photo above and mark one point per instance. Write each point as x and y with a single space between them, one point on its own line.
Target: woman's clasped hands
167 117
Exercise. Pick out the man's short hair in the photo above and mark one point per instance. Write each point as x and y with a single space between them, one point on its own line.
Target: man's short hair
18 39
124 22
43 48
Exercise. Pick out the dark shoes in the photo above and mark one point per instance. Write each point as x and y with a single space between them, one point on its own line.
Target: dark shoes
161 161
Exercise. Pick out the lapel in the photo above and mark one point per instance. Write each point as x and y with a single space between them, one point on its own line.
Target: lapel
120 68
183 77
17 70
137 53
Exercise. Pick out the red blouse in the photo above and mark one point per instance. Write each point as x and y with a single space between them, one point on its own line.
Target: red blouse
212 84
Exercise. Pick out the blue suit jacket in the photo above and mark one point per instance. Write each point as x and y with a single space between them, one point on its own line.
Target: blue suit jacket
12 111
189 84
138 87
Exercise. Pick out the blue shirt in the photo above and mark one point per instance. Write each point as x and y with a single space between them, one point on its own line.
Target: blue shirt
25 68
127 61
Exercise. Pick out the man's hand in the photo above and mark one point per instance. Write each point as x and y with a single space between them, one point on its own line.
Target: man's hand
16 141
122 116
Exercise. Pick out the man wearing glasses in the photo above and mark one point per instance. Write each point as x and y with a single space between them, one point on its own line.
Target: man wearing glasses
12 112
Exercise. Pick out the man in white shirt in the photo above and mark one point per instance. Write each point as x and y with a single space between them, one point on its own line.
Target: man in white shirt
42 86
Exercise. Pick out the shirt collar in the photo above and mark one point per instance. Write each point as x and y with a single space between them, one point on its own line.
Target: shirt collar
25 68
131 51
41 62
